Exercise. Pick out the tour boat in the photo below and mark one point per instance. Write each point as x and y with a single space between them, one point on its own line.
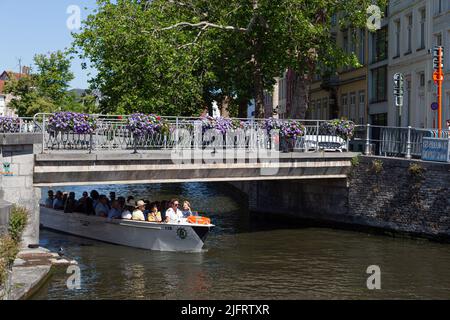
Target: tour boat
183 236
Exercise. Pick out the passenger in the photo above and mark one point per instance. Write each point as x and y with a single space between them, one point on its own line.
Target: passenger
187 209
95 197
49 200
173 214
154 215
85 204
115 212
101 209
71 203
58 203
121 202
112 197
130 199
65 197
138 213
126 214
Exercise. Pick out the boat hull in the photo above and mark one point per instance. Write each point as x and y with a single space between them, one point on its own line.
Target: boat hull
137 234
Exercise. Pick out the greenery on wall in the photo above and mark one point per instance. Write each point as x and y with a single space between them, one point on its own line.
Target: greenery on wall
10 243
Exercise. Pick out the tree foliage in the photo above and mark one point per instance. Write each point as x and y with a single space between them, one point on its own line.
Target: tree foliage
175 56
46 90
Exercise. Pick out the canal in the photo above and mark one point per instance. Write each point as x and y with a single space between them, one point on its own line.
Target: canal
249 258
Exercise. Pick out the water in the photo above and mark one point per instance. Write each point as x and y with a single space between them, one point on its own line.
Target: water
246 258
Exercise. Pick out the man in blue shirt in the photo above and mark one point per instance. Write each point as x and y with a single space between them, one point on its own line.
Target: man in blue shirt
49 200
58 202
115 212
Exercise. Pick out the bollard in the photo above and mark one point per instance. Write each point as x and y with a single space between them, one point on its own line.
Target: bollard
408 144
367 151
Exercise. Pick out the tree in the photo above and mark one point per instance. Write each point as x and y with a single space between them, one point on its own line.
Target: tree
137 72
53 76
45 90
175 56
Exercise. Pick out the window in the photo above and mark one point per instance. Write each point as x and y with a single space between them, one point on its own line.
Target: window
312 110
439 7
397 38
325 108
318 110
352 113
334 19
422 79
438 39
409 18
380 45
353 41
362 106
422 28
379 84
362 47
344 101
345 40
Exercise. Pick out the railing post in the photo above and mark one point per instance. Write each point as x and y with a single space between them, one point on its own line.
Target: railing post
176 131
408 144
367 151
135 143
43 133
90 142
317 135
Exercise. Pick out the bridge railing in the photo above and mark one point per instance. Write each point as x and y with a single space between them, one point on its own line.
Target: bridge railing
398 142
112 133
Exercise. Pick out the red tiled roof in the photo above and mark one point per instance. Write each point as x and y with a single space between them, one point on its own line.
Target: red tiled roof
9 75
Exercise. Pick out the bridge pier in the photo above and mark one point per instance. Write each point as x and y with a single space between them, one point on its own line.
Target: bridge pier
318 199
16 179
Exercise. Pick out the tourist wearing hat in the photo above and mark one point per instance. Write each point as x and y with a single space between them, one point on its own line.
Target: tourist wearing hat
138 213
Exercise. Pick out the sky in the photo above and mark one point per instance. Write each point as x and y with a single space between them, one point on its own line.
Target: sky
32 27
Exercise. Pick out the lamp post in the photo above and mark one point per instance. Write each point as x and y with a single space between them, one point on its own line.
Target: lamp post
399 91
438 77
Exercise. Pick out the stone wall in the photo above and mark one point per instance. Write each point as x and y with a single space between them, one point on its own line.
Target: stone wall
16 184
5 211
391 194
402 195
319 199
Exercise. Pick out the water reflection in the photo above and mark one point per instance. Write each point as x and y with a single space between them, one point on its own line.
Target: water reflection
249 259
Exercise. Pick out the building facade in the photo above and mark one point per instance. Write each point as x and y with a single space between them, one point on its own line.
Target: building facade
416 26
4 97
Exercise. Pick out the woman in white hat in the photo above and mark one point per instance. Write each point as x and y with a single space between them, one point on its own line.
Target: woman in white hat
138 213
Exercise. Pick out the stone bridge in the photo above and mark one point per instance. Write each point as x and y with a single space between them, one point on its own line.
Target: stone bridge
25 168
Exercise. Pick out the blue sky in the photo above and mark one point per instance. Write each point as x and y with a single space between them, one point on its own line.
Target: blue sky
30 27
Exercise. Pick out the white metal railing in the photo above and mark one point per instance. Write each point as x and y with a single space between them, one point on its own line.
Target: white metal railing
401 142
112 133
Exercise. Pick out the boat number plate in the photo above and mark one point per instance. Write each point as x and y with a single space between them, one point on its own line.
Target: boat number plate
182 233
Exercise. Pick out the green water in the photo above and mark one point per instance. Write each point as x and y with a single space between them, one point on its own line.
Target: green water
247 258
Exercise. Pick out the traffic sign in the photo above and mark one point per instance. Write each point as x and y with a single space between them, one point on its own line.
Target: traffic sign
434 106
398 85
438 76
438 57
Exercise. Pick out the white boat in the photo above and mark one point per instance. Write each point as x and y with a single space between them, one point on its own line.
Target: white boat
181 236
